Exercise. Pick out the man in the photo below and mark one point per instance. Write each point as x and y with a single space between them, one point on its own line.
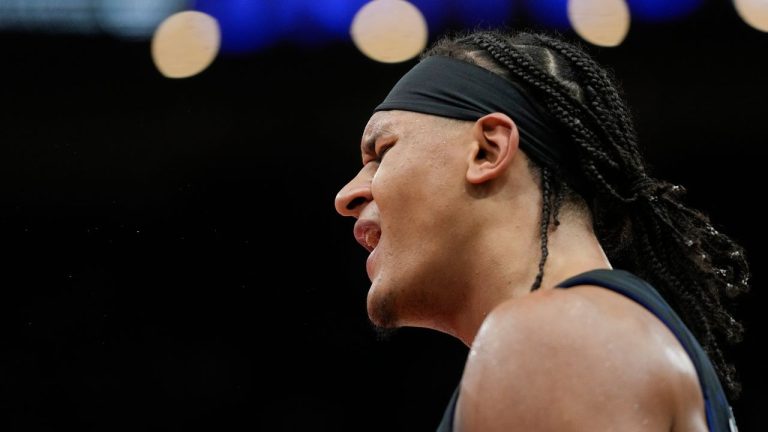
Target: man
502 169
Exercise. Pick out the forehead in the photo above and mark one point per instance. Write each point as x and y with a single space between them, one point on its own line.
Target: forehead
407 125
383 122
396 122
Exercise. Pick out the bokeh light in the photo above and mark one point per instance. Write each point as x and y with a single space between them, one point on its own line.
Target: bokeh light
600 22
135 19
661 10
246 25
335 16
185 44
753 12
389 31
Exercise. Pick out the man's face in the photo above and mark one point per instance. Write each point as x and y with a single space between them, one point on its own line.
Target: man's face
405 199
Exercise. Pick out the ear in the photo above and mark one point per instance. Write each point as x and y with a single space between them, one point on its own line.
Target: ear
495 144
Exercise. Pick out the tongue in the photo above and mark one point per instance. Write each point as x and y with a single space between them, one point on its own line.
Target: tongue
372 238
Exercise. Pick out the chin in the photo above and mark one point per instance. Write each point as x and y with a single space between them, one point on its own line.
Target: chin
381 308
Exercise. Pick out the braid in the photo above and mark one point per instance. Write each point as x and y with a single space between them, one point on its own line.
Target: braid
641 221
546 209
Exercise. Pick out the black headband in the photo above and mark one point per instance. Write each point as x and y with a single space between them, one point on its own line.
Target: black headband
456 89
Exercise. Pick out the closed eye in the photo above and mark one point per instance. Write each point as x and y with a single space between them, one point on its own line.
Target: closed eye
382 151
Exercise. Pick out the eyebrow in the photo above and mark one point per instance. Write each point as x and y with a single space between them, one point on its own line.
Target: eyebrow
369 145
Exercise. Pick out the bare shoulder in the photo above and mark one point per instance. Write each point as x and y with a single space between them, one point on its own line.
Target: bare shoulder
583 358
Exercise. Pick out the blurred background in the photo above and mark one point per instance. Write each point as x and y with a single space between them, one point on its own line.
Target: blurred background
172 257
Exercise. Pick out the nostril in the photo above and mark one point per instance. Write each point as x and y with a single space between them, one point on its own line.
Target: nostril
355 202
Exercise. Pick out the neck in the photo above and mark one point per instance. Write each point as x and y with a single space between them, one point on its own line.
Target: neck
505 267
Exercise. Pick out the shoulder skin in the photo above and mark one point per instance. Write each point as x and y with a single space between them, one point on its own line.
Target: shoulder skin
585 358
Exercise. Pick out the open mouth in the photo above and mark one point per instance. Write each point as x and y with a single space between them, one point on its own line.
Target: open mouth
372 239
367 234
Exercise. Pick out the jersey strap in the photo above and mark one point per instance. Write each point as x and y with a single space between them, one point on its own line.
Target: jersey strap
719 413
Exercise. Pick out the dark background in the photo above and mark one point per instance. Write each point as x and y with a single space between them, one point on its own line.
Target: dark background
172 259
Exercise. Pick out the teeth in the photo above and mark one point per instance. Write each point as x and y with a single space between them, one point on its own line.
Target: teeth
372 238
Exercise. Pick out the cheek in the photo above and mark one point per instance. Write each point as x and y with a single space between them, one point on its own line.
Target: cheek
412 200
400 185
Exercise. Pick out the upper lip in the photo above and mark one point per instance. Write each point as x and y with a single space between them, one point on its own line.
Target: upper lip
364 228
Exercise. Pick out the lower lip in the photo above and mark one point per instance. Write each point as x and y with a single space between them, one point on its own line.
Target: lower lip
370 262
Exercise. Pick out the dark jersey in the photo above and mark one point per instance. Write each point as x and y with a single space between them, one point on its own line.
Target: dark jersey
719 413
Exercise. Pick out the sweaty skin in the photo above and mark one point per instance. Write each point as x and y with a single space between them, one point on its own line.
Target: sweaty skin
451 214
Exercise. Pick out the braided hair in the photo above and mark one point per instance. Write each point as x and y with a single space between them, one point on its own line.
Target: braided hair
640 221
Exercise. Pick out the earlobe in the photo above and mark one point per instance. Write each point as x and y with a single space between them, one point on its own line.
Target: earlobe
496 140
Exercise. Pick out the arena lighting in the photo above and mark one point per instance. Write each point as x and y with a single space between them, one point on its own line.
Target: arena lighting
334 16
47 15
553 13
661 10
134 19
249 25
185 44
753 12
600 22
246 25
389 31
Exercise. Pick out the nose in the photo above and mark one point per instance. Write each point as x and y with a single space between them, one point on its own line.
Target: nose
353 197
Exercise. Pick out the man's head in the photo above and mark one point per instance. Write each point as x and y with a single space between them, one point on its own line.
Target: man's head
454 171
446 183
429 189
